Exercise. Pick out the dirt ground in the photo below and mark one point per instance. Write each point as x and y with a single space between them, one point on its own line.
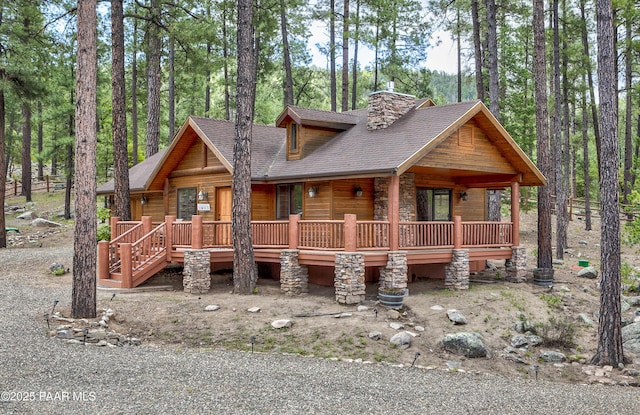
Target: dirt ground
160 313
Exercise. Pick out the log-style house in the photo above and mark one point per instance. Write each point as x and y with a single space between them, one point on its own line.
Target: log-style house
389 193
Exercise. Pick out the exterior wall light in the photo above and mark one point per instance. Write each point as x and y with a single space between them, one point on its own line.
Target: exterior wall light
144 200
313 191
203 195
463 196
357 191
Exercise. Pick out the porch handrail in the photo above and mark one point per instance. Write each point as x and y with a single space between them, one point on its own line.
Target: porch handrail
426 235
181 234
270 234
321 234
487 234
130 236
146 251
124 229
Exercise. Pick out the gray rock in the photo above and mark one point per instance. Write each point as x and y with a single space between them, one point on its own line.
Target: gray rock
456 317
633 301
526 340
254 310
363 308
393 314
27 216
280 324
550 356
212 307
401 340
632 346
583 242
396 326
43 223
467 344
437 307
375 335
65 334
419 329
57 268
631 332
624 306
586 319
557 262
588 272
343 315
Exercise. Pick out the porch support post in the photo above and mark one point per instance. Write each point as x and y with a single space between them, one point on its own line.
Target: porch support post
350 233
103 260
515 213
395 274
516 267
196 278
457 232
196 232
457 272
294 278
113 223
294 231
394 212
349 278
146 224
168 235
126 266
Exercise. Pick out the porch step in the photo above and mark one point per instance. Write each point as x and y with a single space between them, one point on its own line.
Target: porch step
110 283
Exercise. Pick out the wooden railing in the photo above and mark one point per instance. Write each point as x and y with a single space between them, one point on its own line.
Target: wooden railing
181 234
421 235
147 251
487 234
372 234
128 234
270 234
321 234
125 226
216 234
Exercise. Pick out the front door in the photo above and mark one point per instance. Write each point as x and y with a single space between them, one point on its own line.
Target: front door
223 213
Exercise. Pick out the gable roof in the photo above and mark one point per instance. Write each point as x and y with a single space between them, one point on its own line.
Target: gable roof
354 151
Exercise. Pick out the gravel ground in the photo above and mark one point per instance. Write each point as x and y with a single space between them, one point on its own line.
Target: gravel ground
52 377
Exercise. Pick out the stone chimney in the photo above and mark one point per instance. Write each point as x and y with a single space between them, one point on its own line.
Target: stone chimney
386 107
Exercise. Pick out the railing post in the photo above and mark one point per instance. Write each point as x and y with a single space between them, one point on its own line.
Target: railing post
196 232
47 183
113 223
168 235
126 265
146 224
515 213
294 231
350 233
457 232
103 260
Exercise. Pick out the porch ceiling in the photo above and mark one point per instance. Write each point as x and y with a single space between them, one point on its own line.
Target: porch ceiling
468 178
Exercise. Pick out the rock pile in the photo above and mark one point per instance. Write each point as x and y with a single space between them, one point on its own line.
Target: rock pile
90 333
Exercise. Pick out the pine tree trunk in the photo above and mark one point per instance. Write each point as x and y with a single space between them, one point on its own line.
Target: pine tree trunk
26 151
122 208
477 48
172 89
610 351
332 55
345 57
40 142
561 152
245 273
83 303
154 44
585 162
354 74
134 95
492 51
542 136
288 77
3 168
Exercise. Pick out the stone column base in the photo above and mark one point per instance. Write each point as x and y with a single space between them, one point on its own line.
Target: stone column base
294 278
349 278
457 272
395 274
516 268
197 278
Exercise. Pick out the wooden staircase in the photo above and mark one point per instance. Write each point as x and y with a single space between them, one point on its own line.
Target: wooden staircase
132 258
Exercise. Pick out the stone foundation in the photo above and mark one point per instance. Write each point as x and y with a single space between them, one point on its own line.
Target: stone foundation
349 278
197 279
516 268
457 272
407 208
294 278
395 274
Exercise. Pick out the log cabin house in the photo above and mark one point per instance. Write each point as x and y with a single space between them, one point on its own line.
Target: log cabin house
389 193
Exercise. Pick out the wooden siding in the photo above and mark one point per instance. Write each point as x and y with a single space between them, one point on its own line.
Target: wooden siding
467 149
472 209
345 200
309 139
318 207
263 202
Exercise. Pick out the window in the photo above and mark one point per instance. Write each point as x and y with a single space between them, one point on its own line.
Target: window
288 200
187 202
294 137
433 204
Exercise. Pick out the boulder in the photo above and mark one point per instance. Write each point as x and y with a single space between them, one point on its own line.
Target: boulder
550 356
401 340
467 344
212 307
375 335
43 223
27 216
57 268
456 317
280 324
588 272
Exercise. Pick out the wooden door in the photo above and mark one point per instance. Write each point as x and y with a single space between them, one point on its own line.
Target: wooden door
223 213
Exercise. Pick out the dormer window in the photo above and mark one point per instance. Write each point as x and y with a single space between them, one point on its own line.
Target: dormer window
293 137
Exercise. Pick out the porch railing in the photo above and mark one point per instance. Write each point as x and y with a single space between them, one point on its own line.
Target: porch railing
321 234
487 234
424 235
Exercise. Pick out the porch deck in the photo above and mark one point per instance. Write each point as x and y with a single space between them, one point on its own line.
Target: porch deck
140 249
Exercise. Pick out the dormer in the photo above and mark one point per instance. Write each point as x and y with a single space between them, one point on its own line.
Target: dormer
309 129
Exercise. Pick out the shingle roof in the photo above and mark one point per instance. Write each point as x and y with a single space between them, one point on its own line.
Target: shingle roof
139 174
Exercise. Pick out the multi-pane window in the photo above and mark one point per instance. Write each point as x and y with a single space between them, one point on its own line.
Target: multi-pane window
433 204
288 200
187 204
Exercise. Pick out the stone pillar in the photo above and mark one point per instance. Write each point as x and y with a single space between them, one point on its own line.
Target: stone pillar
196 271
294 278
395 274
516 268
349 278
457 272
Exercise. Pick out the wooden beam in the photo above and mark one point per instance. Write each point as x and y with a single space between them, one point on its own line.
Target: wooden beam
515 213
198 171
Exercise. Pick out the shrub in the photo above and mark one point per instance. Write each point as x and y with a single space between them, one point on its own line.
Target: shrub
104 233
557 333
